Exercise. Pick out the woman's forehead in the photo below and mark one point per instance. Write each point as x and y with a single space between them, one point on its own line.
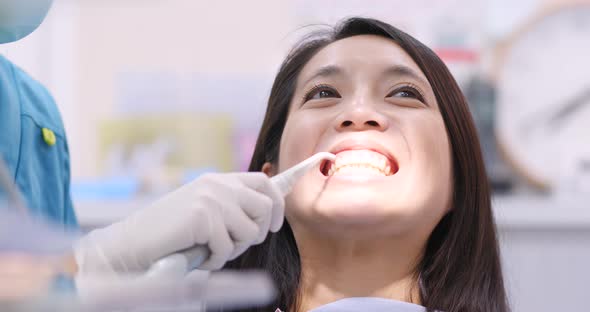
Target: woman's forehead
370 54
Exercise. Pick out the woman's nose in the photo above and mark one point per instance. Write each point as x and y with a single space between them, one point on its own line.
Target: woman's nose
360 118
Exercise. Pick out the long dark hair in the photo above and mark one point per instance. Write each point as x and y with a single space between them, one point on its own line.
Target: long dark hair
460 269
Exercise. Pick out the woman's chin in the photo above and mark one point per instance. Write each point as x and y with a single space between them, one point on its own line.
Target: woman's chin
358 223
356 209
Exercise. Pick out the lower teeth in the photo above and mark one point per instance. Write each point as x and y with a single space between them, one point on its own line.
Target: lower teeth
357 170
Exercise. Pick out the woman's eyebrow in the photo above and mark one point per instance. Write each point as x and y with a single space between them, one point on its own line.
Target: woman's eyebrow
403 71
324 71
395 71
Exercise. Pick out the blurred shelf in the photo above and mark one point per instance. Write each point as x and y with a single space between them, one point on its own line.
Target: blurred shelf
98 213
511 212
543 212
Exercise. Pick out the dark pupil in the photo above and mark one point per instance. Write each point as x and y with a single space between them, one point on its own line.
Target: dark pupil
325 93
405 94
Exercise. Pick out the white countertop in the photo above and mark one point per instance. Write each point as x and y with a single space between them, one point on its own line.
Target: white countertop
542 212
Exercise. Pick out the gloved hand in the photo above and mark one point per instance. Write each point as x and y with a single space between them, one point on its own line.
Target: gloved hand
228 212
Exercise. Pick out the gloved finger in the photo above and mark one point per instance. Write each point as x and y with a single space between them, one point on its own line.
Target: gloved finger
253 180
258 207
239 249
243 231
220 243
262 183
278 207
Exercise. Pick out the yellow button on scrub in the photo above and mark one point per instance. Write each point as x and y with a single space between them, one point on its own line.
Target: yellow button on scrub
48 136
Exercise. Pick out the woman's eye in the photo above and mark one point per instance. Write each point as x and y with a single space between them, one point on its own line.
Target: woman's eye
407 92
324 94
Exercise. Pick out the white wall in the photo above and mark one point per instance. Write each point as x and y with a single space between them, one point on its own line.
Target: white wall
546 269
83 46
90 43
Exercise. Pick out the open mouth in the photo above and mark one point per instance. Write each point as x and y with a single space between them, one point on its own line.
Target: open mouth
359 162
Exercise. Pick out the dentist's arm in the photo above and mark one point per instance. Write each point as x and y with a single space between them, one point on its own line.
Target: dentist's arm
226 212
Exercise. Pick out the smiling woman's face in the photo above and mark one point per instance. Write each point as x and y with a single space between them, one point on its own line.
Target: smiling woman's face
364 99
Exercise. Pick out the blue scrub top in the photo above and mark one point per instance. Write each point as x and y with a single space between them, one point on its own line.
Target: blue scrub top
33 145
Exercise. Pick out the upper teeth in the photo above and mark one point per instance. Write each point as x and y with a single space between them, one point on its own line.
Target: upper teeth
363 159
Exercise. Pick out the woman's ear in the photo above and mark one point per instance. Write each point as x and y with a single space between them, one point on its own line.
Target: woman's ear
269 169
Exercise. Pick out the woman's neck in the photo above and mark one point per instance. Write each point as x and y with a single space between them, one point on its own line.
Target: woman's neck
333 269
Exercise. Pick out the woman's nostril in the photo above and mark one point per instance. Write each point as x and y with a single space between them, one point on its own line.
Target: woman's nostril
370 123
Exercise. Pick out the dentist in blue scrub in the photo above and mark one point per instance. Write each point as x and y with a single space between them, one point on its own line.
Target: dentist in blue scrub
32 138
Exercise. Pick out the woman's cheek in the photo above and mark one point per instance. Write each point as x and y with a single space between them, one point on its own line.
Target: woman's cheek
431 134
438 146
298 141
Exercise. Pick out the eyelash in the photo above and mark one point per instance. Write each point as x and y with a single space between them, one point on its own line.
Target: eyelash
408 88
317 88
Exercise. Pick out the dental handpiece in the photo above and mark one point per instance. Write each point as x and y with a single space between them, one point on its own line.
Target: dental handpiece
178 264
287 179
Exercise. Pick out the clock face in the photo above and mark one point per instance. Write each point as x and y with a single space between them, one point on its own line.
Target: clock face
543 121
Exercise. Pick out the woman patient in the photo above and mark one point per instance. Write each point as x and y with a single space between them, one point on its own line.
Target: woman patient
404 212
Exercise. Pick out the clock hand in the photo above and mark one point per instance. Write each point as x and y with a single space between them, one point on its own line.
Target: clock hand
555 118
570 107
